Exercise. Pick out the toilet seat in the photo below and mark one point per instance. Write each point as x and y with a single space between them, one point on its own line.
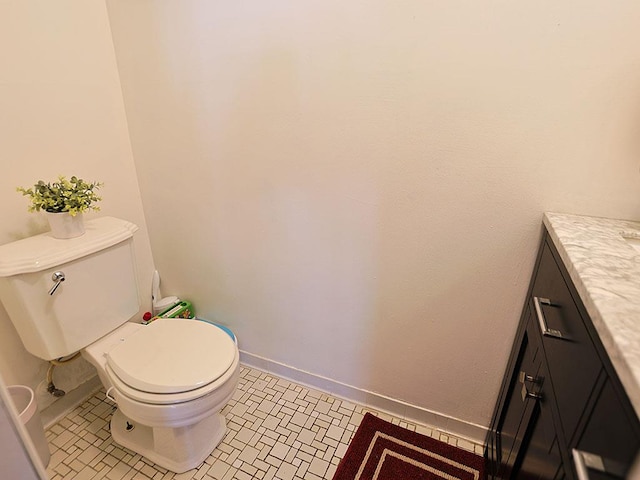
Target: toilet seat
171 361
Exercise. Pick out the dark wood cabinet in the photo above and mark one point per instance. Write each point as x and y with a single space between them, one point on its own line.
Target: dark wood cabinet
561 407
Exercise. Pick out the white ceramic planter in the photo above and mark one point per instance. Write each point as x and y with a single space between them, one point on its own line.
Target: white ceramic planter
64 226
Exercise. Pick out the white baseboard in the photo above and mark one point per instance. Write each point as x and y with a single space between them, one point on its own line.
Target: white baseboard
454 426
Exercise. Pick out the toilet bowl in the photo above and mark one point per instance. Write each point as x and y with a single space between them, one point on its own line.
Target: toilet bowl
169 379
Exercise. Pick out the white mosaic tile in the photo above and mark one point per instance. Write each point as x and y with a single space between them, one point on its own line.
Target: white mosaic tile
277 430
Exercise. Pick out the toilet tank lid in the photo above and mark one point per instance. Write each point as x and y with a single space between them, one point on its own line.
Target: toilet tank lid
43 251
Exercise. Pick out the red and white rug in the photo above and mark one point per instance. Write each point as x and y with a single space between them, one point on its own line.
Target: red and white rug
383 451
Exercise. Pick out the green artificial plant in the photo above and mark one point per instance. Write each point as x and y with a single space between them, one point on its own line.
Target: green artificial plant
73 196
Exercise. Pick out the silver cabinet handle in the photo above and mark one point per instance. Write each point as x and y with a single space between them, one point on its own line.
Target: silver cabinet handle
525 378
549 332
585 461
57 277
578 462
526 393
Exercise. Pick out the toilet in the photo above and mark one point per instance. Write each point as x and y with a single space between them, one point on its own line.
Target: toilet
169 379
168 398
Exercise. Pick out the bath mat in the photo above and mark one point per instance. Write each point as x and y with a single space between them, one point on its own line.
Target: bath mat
383 451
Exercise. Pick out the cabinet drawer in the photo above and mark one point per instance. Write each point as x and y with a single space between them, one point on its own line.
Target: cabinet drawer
572 360
611 437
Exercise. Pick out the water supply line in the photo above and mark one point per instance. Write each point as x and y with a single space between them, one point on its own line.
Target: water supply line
51 388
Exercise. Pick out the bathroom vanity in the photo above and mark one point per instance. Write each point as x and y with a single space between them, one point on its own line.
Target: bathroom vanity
570 399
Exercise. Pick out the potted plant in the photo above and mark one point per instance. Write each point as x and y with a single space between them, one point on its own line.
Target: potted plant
64 201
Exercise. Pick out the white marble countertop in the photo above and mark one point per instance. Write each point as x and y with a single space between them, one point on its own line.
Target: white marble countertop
605 270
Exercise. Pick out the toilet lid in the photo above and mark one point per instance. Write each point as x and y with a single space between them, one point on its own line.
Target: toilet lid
172 356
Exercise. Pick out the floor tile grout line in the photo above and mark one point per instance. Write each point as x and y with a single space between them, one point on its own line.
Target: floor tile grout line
277 429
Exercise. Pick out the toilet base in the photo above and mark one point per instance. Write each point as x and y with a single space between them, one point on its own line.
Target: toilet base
176 449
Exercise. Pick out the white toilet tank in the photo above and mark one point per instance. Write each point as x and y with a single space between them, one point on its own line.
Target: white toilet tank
98 295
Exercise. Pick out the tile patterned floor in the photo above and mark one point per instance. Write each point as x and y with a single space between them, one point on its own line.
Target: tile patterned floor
277 430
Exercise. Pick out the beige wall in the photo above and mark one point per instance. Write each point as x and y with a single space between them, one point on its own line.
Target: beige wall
61 112
357 187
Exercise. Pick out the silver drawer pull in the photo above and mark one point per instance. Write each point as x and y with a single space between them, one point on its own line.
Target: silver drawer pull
579 463
585 461
549 332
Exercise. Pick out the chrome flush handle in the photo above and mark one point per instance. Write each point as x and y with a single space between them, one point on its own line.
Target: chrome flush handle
58 278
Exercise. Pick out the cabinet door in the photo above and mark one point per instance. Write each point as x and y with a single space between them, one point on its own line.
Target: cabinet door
573 363
610 440
517 412
540 456
542 459
527 441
